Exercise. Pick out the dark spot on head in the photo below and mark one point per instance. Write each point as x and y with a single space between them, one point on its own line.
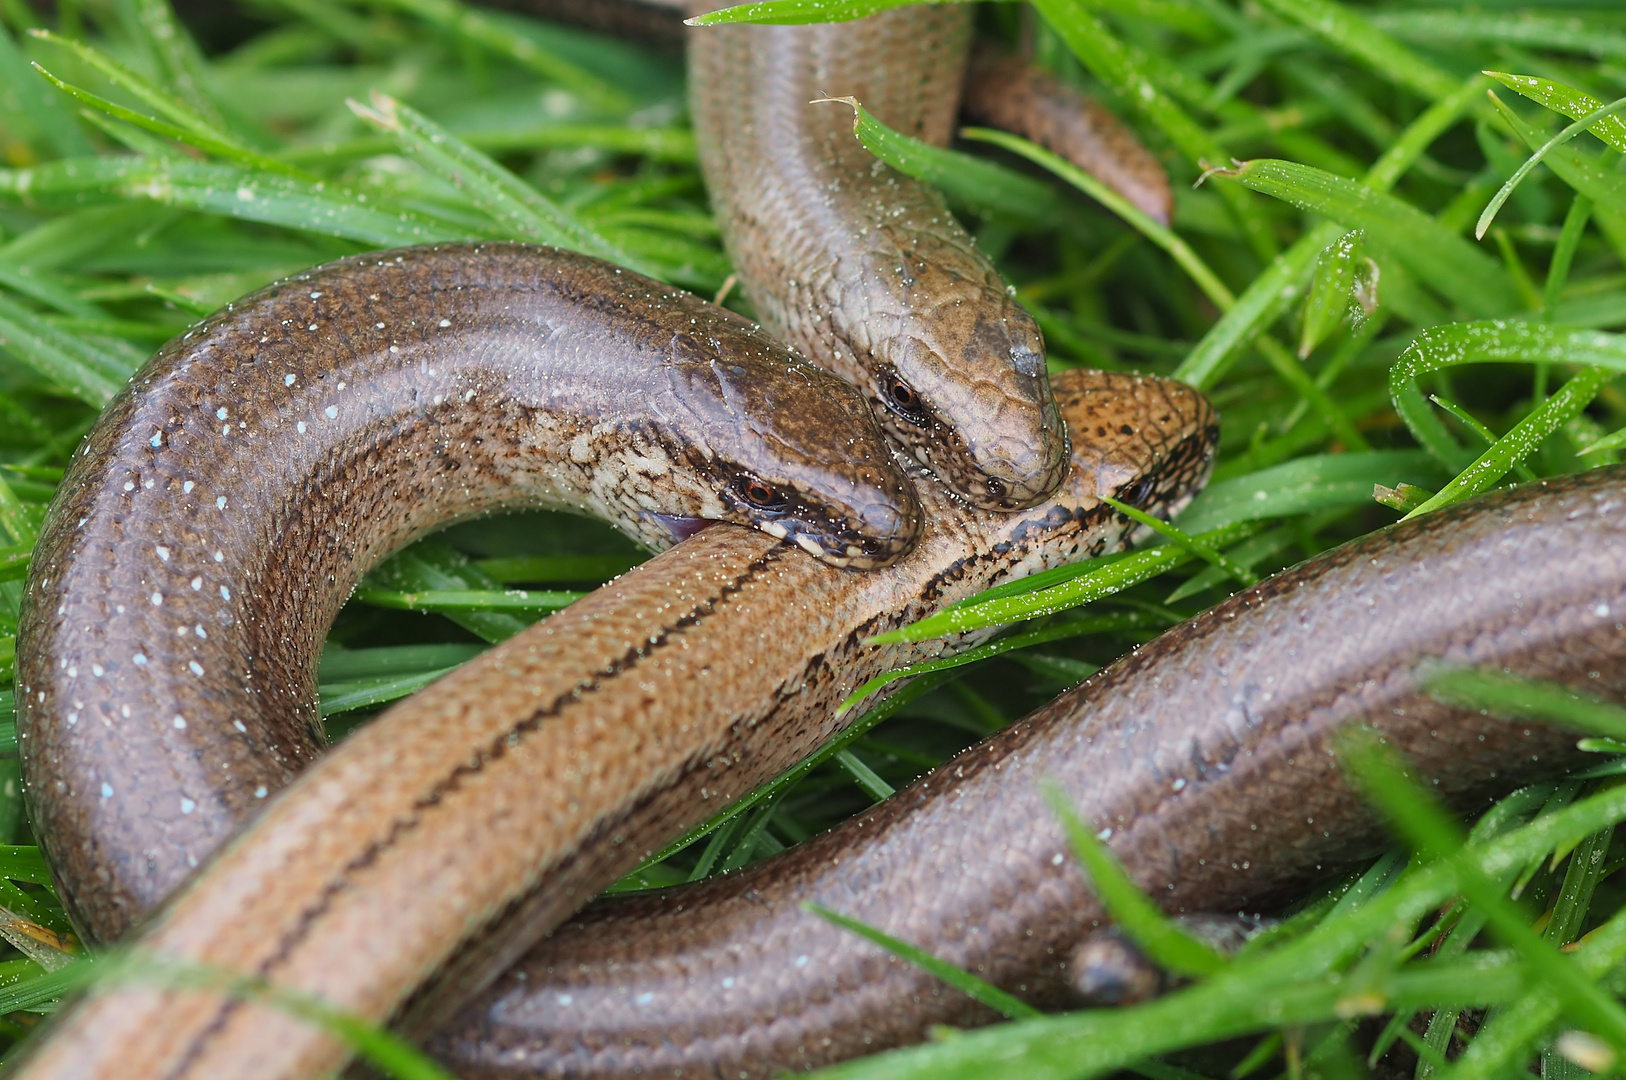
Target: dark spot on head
1125 429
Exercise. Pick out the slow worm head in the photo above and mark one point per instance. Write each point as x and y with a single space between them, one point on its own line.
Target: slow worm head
862 268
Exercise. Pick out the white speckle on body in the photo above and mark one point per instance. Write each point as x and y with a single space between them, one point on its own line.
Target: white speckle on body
288 380
188 486
445 323
259 792
163 552
220 503
157 599
332 412
197 668
220 413
180 722
140 659
107 790
187 805
300 427
225 593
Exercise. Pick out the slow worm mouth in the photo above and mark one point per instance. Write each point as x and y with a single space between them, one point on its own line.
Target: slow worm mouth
681 526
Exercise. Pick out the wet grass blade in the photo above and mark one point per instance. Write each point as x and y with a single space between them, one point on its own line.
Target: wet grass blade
1007 1005
523 212
1163 941
1470 278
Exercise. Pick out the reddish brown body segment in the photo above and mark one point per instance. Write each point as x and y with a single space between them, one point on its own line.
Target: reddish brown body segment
1208 754
497 801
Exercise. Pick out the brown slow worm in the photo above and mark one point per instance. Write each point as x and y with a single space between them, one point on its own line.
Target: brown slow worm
237 489
500 799
1207 757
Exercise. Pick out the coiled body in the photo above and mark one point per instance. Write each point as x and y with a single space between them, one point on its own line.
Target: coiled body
1207 757
861 268
438 843
233 494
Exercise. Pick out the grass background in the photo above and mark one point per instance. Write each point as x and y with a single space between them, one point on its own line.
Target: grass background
1318 289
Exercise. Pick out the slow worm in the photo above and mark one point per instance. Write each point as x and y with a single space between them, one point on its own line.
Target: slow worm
499 800
236 490
1207 757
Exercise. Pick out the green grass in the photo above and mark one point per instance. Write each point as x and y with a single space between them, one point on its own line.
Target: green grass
1323 282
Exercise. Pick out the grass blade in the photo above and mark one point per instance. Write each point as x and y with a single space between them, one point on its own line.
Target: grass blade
1470 278
1163 941
1008 1005
519 208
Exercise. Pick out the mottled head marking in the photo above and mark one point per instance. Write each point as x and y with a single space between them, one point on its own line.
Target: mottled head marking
797 453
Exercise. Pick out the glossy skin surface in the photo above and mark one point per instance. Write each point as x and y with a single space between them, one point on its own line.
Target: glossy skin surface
229 499
439 842
1208 753
860 268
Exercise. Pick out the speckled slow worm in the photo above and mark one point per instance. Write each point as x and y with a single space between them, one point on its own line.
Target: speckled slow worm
441 841
1208 758
235 491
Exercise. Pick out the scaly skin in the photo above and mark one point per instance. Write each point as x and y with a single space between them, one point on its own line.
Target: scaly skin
494 803
1209 754
860 268
229 499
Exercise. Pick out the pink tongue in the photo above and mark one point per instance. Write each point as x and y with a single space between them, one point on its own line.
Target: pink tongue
680 526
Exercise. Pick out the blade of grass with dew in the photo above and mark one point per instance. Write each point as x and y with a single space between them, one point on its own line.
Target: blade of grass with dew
1330 289
1112 578
1304 485
1525 437
1485 434
1007 1005
1057 631
972 181
1349 32
1272 291
1245 577
445 600
64 359
1515 698
225 189
1162 939
42 112
343 697
515 205
1586 123
1496 341
1533 29
1586 174
1568 101
220 148
178 112
1470 278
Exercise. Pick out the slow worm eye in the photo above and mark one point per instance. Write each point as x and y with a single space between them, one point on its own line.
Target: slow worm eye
901 398
760 495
